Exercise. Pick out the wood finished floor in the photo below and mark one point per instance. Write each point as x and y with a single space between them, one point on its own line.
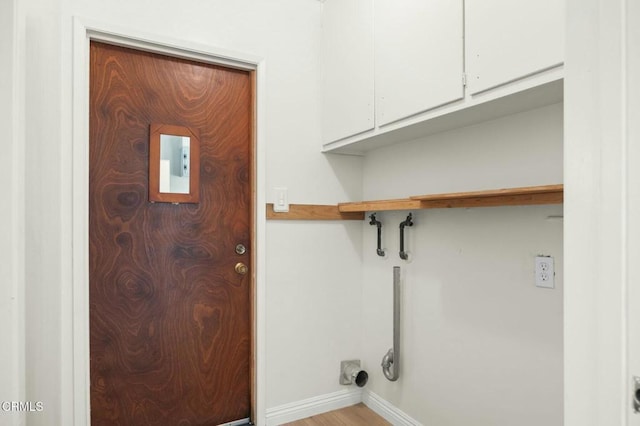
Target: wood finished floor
350 416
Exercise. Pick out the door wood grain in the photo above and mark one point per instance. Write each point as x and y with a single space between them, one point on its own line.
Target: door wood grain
170 319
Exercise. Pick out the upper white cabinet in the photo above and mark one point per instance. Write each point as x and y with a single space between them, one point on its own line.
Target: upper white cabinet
347 55
507 40
399 70
418 56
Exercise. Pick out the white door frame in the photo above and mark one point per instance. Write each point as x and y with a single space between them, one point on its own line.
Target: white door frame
84 32
602 200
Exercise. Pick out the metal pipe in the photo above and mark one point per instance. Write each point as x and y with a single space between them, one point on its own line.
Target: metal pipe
377 223
391 360
409 222
352 373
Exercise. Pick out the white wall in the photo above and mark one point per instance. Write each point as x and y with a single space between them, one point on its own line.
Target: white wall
480 344
11 219
314 300
284 32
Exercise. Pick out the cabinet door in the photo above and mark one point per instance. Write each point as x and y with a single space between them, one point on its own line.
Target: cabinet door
510 39
347 51
418 56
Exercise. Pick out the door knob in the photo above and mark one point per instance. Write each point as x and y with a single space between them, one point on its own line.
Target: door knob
241 268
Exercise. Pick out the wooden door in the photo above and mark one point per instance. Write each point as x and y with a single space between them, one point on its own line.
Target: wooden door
170 318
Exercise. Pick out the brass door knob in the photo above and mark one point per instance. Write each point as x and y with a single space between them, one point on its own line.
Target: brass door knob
241 268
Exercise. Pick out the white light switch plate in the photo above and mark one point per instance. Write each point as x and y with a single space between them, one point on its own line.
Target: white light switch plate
281 200
545 272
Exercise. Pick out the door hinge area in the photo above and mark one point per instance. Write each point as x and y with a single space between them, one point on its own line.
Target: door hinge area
464 79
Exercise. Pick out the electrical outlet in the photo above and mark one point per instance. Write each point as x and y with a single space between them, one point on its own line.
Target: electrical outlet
545 273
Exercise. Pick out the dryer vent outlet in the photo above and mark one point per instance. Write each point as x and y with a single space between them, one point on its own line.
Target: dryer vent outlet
350 373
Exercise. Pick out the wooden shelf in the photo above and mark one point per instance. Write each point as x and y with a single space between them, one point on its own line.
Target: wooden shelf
523 196
530 195
380 205
312 212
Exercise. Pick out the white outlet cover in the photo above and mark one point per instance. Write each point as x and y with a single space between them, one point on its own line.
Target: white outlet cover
281 199
545 272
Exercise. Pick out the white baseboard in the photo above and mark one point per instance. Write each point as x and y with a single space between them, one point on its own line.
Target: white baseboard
313 406
389 412
333 401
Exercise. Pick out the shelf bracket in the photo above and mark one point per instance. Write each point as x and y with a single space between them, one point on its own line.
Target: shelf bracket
377 223
409 222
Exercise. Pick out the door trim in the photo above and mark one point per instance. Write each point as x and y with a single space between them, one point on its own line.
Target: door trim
85 31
